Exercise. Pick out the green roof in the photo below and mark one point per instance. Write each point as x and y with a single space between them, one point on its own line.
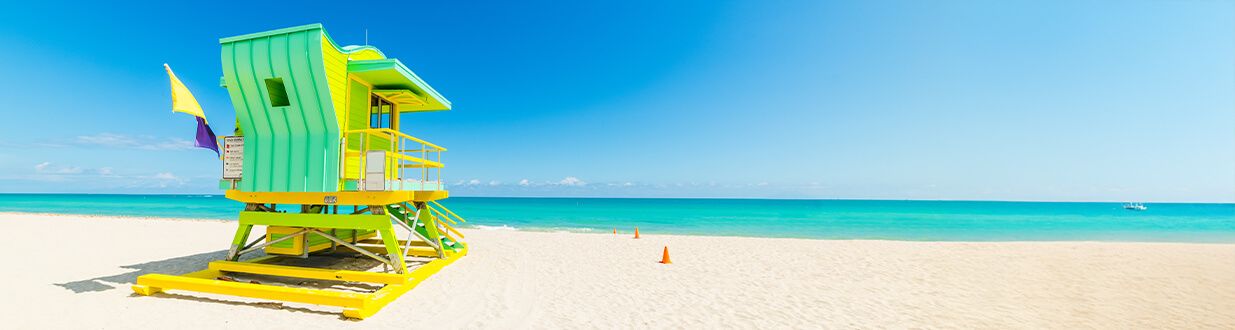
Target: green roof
392 74
271 33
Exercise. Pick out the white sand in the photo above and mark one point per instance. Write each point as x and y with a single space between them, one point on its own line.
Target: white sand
514 279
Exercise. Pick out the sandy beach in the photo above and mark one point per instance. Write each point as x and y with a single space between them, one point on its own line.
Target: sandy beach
67 271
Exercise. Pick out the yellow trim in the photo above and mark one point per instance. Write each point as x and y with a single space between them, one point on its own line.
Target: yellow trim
401 97
354 77
376 131
397 160
420 162
341 197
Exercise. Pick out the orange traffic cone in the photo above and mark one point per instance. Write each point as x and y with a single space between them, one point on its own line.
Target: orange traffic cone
636 232
665 259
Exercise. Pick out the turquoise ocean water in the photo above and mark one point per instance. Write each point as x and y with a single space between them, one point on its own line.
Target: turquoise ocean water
824 219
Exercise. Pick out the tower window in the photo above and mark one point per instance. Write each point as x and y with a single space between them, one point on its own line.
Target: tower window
277 92
381 112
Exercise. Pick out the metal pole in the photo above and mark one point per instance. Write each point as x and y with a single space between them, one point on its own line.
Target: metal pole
259 239
416 222
358 249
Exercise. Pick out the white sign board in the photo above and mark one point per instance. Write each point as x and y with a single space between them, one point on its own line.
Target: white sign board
233 157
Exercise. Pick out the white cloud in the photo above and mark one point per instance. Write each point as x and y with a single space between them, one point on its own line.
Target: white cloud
103 177
473 182
52 172
166 176
160 180
171 144
572 181
49 168
524 183
107 140
495 183
112 140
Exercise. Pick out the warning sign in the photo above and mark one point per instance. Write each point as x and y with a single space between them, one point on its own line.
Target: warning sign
233 157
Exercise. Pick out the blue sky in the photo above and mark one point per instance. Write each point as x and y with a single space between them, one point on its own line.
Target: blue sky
1007 100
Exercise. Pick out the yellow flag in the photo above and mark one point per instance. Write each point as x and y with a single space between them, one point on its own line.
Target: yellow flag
182 100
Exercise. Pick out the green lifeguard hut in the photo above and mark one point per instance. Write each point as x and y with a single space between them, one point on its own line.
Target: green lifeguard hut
319 160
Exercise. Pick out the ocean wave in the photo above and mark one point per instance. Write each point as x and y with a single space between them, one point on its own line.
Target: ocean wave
534 228
568 230
501 227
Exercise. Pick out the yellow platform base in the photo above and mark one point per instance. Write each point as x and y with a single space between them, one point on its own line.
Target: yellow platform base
355 305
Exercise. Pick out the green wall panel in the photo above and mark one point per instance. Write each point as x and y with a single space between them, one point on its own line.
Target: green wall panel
290 148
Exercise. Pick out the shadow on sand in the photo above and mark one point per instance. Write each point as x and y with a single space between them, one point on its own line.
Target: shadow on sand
196 262
262 304
177 265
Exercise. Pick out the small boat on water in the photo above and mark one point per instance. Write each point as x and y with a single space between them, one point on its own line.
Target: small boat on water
1135 207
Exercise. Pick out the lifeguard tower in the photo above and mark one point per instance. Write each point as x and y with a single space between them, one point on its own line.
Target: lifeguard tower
320 162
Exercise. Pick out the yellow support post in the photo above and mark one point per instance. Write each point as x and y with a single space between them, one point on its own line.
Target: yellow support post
392 248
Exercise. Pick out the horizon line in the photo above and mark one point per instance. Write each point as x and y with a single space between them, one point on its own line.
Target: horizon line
711 198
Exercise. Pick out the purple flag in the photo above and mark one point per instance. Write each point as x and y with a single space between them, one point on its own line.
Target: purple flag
205 136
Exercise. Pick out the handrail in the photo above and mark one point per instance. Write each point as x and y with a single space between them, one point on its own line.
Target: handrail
401 154
396 133
429 163
449 228
448 211
442 215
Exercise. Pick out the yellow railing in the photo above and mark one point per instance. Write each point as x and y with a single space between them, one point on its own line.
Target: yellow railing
403 153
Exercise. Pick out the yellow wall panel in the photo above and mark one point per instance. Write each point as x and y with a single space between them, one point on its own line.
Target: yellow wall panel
336 78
